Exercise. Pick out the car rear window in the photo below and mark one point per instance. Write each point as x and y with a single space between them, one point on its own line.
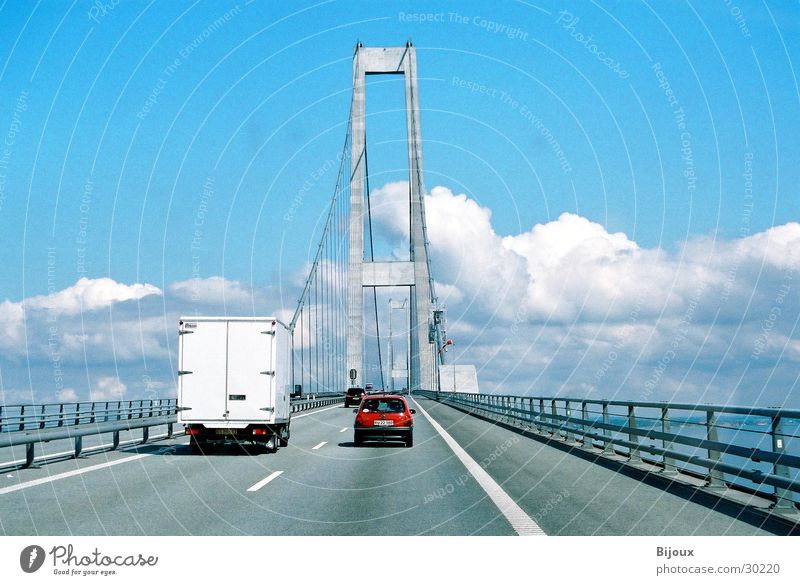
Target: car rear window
384 405
354 391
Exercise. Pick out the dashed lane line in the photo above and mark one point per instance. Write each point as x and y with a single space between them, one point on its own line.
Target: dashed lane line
257 486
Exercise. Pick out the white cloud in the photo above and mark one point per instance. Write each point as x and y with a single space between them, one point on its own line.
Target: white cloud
66 395
90 294
12 318
107 388
214 290
9 396
573 269
76 307
544 309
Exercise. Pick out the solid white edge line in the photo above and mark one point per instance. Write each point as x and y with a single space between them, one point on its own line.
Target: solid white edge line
66 474
315 411
522 524
257 486
318 446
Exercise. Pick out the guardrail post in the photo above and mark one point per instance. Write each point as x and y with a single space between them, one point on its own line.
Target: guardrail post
106 417
169 430
716 479
115 440
119 410
532 413
22 418
145 434
78 446
91 417
555 430
61 415
587 441
1 418
608 445
634 454
669 462
41 422
541 415
77 413
783 499
130 409
29 454
569 437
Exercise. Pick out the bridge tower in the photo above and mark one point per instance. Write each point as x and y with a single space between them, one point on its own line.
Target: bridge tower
416 272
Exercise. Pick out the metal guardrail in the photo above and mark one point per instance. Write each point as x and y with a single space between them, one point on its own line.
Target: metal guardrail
316 401
29 424
726 444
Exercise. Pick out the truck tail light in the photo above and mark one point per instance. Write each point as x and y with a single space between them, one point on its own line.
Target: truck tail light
259 431
192 430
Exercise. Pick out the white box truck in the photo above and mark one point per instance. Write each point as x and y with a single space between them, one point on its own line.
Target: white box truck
234 381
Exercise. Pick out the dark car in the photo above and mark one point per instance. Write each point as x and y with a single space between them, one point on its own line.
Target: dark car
384 418
353 396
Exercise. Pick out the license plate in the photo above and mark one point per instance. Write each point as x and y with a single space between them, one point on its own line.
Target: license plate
384 423
225 431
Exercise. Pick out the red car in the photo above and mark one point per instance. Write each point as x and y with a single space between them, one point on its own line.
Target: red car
384 417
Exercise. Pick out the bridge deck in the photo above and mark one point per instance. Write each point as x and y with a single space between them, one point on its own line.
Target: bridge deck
339 489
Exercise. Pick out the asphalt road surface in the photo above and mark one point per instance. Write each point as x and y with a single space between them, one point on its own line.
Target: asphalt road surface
466 477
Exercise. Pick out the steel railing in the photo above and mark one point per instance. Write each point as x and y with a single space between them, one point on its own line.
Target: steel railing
316 401
726 446
29 424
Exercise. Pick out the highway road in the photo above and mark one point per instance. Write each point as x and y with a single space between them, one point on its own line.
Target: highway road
463 476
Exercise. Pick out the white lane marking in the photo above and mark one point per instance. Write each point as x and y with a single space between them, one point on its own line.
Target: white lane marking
66 474
318 446
257 486
314 412
523 524
343 430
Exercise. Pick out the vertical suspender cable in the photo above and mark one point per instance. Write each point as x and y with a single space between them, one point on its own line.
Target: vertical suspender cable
372 259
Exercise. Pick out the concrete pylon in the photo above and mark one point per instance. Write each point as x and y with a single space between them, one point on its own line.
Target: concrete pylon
415 273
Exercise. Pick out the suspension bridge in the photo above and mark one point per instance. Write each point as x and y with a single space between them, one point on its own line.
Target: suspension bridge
484 464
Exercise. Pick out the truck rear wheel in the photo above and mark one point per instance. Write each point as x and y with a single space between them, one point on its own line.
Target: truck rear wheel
284 437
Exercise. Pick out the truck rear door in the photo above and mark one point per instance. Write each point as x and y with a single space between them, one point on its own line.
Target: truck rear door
250 371
202 369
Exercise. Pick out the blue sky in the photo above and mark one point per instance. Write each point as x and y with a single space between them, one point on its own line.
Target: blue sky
530 109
